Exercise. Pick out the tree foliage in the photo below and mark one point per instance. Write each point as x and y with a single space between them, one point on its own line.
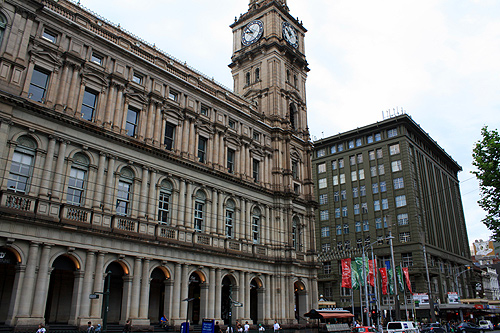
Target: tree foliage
486 158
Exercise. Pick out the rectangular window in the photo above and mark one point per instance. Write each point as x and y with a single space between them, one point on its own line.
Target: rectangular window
344 211
321 167
407 259
376 205
352 160
38 85
369 139
375 188
341 163
334 165
204 110
333 149
173 95
295 170
381 169
323 199
323 215
403 219
366 227
337 213
327 267
342 178
123 198
322 183
392 133
202 149
76 183
394 149
131 124
229 223
346 229
351 144
364 208
340 147
335 180
404 237
255 229
325 247
168 141
320 153
358 142
356 209
354 176
325 231
359 157
378 137
380 153
230 161
89 104
373 171
383 187
354 192
49 35
199 208
371 155
361 174
343 194
357 226
401 201
398 183
163 207
396 166
256 136
378 223
347 244
338 230
336 196
137 78
20 172
256 170
385 204
96 58
362 190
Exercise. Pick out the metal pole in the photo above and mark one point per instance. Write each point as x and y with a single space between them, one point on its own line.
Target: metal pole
366 289
397 313
106 303
431 300
375 283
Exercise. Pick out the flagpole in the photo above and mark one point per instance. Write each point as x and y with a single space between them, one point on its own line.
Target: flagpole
404 291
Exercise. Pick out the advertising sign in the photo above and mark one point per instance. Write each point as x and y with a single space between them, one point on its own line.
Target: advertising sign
421 298
453 298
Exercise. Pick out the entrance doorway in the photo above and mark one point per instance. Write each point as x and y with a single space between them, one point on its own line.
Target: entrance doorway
59 297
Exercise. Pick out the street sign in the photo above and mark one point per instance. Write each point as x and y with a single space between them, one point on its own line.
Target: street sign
93 296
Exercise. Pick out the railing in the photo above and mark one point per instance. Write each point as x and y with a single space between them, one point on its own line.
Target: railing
18 201
76 214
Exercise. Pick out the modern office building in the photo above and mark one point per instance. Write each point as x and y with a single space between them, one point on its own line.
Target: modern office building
124 167
391 179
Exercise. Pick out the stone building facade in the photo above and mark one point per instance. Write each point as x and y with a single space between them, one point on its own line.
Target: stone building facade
122 166
391 179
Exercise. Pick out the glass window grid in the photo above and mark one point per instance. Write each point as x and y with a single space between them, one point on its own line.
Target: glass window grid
402 219
351 144
336 196
359 158
335 180
394 149
364 208
337 212
321 167
20 172
89 104
344 211
343 194
378 137
230 164
131 123
361 174
256 228
354 192
168 140
375 188
376 205
38 84
320 153
356 209
325 231
323 199
199 215
352 160
366 227
383 187
76 183
338 230
202 149
378 223
385 204
400 201
373 171
341 163
354 176
398 183
164 207
96 58
396 166
358 142
392 132
357 226
362 190
49 35
381 169
371 155
255 170
346 229
123 198
404 237
342 178
323 215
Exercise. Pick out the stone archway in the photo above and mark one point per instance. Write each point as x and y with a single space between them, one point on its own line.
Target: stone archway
60 295
228 285
8 262
256 301
194 293
115 292
300 296
159 297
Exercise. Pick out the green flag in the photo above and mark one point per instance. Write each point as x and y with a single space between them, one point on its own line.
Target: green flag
399 275
390 277
359 264
354 275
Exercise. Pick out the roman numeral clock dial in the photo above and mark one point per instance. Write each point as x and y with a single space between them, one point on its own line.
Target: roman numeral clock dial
252 32
290 34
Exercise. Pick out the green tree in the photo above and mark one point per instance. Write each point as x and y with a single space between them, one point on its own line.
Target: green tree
486 158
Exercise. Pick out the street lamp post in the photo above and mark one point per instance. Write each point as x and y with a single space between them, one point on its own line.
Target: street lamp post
397 313
186 326
458 293
431 300
368 323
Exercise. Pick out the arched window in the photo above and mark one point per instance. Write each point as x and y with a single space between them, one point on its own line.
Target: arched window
248 79
77 178
164 202
124 192
297 234
3 24
199 211
293 116
256 225
287 75
230 207
21 169
257 74
295 81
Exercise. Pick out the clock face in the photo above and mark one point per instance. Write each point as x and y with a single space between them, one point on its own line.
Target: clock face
290 34
252 32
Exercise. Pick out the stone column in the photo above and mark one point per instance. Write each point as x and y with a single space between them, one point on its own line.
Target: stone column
109 105
238 220
16 295
149 123
110 184
267 227
223 153
42 284
267 298
188 222
95 306
99 187
72 89
248 222
158 125
59 176
120 114
13 40
87 284
241 296
145 285
29 281
215 215
212 304
126 302
246 291
144 193
215 150
218 293
63 78
176 297
23 46
49 159
136 285
192 140
184 291
185 138
221 214
152 200
181 208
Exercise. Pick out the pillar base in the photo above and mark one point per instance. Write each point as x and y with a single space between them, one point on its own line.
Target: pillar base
140 325
28 323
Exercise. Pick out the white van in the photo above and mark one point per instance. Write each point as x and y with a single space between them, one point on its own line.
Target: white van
402 327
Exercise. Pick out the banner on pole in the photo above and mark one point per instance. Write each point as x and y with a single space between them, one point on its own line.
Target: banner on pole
372 273
399 275
383 275
346 273
407 278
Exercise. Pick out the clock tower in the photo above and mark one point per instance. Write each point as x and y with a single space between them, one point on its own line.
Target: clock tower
269 66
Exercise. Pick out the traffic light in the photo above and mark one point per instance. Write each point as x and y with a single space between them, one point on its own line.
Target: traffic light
374 315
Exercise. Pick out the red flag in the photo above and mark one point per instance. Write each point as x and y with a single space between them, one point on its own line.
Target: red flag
346 273
406 273
372 272
383 275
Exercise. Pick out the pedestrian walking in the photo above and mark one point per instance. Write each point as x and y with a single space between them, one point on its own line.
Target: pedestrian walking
246 327
41 329
98 328
217 328
90 328
276 326
128 327
261 328
229 329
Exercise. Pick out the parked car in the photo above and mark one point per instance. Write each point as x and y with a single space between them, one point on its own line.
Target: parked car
402 327
363 329
486 324
466 327
433 328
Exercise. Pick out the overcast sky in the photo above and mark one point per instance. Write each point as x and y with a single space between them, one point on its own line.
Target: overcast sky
439 60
